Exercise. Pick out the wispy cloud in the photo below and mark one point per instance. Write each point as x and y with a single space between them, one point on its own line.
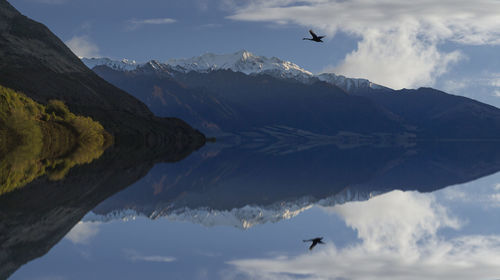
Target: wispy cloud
83 46
202 5
84 27
489 82
210 25
454 86
400 39
82 232
133 255
134 24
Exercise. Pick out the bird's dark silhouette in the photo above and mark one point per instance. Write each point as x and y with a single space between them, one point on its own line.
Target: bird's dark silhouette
314 241
315 37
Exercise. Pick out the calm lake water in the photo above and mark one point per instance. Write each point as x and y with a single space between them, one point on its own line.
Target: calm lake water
421 212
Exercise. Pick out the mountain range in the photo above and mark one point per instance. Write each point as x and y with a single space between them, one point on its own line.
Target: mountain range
241 92
242 218
242 61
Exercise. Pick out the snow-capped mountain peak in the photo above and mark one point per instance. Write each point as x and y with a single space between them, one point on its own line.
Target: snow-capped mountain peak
120 65
241 61
242 218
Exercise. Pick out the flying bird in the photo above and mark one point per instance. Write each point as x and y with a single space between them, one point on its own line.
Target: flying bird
315 37
315 242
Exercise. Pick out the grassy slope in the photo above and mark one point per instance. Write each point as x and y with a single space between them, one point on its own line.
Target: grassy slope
38 140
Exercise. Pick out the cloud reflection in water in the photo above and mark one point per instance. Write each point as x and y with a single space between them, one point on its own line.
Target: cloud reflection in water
400 238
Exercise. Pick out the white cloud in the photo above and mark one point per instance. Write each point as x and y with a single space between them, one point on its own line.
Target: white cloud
454 86
400 39
474 257
82 232
134 24
495 197
399 240
396 221
83 46
455 194
397 59
483 86
488 196
493 79
133 255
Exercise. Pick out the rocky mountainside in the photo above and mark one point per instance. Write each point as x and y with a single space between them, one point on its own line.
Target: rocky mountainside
33 60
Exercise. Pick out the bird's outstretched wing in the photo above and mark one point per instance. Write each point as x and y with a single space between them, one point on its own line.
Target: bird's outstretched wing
313 34
312 245
321 37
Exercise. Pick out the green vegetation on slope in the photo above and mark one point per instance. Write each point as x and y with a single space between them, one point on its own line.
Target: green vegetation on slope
38 140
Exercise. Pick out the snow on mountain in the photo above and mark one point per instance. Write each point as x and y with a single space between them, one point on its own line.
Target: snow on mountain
241 61
348 84
120 65
242 218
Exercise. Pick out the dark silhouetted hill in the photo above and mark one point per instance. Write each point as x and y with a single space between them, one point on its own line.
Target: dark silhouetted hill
33 60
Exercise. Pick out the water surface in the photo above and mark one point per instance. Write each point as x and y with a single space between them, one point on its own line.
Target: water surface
423 212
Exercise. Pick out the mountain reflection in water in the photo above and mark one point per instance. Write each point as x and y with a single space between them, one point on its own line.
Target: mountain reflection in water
384 212
249 180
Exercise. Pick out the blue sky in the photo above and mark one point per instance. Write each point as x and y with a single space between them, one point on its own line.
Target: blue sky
452 45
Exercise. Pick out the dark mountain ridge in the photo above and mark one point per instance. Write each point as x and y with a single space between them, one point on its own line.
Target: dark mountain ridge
37 63
234 102
439 114
217 101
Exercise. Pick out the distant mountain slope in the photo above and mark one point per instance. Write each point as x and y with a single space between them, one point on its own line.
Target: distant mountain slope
36 62
239 92
438 114
229 101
